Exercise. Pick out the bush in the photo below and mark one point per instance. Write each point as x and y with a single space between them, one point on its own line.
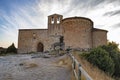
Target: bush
116 60
110 47
99 57
113 50
106 57
11 49
85 54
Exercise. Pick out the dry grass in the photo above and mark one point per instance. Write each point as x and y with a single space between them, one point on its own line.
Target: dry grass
29 64
93 71
65 62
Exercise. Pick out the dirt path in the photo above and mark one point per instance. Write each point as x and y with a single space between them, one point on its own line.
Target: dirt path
23 67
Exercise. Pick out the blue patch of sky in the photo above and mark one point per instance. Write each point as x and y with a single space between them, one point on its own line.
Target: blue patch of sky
7 5
1 21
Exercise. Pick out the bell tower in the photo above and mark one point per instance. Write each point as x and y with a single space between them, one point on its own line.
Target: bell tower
54 24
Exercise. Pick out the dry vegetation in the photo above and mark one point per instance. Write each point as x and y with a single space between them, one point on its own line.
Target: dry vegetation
29 64
65 62
93 71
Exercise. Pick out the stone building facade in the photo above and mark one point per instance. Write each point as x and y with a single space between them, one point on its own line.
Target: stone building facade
76 32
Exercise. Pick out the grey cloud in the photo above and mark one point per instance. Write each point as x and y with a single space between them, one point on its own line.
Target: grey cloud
115 2
92 4
112 13
115 26
96 2
74 6
87 5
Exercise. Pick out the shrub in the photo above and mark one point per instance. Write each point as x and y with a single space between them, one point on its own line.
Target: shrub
100 58
85 54
106 57
110 47
11 49
113 50
116 60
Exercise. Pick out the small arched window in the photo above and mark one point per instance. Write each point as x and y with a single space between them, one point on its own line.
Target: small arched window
58 20
34 36
55 33
52 20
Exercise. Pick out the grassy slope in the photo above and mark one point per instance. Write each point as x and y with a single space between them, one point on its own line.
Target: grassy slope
93 71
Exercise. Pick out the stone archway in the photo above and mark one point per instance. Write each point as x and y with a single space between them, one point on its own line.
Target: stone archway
40 47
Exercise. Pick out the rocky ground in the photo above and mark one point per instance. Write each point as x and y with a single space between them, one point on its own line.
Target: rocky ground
32 67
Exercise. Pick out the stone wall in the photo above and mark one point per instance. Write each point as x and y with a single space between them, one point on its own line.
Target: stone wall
54 24
77 32
99 37
29 38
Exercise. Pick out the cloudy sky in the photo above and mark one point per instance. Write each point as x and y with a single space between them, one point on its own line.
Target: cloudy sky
32 14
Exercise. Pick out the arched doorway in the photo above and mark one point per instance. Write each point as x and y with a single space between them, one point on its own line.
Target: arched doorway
40 47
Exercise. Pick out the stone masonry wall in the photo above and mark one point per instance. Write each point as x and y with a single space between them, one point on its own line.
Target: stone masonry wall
99 37
29 38
77 32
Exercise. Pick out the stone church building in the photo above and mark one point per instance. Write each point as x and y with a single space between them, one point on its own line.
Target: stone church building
74 32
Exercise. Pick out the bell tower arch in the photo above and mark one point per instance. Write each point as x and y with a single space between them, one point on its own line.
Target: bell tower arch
54 24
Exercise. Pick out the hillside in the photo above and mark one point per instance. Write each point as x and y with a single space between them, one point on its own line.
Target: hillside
93 71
